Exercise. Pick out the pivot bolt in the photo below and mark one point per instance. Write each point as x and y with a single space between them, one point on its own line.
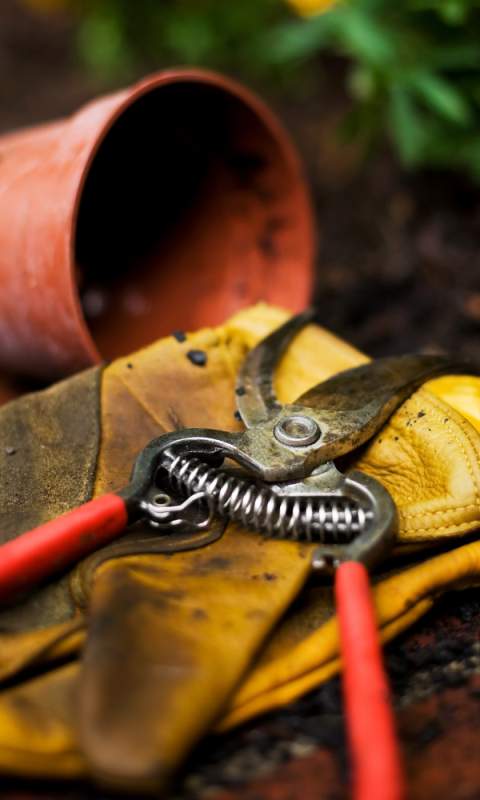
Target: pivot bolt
297 431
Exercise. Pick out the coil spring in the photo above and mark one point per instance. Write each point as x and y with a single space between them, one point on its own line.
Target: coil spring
237 499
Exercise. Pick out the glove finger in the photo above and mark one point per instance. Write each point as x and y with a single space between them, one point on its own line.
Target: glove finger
292 689
428 458
461 392
38 736
167 643
399 600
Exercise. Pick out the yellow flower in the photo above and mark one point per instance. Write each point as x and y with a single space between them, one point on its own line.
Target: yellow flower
308 8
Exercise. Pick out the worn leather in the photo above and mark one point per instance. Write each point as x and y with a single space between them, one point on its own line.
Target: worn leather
162 635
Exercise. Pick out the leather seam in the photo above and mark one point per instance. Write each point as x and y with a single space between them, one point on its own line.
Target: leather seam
440 413
438 511
452 529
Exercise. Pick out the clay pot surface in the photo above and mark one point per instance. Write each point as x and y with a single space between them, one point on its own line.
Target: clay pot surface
8 390
165 206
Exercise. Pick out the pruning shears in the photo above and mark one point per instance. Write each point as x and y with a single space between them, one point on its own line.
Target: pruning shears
278 478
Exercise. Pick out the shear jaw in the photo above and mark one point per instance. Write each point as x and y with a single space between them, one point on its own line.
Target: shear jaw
337 415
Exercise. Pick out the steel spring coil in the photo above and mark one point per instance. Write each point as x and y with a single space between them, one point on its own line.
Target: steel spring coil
333 520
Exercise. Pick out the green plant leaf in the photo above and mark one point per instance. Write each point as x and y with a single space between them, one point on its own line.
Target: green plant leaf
406 126
294 41
364 37
442 97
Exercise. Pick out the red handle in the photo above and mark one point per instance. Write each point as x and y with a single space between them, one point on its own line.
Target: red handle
51 547
376 761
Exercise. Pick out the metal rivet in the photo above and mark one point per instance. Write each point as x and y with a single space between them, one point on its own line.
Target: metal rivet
162 499
297 431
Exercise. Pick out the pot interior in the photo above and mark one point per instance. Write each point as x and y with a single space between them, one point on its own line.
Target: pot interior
192 208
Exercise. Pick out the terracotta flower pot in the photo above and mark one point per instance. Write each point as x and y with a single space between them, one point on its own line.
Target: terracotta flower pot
165 206
8 390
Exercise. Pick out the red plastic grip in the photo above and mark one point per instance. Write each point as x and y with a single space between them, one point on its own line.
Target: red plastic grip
52 547
374 749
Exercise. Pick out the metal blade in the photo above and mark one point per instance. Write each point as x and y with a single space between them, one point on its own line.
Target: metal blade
256 399
353 405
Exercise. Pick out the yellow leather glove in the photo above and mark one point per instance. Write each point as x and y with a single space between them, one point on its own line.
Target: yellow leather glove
173 633
166 635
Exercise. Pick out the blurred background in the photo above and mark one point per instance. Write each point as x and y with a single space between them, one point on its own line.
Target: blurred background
382 100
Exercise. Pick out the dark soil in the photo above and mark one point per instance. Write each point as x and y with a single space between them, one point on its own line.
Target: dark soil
399 265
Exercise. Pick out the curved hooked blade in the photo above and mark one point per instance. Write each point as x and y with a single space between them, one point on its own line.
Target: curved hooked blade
256 399
353 405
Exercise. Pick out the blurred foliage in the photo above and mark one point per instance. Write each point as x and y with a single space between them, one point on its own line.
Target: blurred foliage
413 66
121 35
414 73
